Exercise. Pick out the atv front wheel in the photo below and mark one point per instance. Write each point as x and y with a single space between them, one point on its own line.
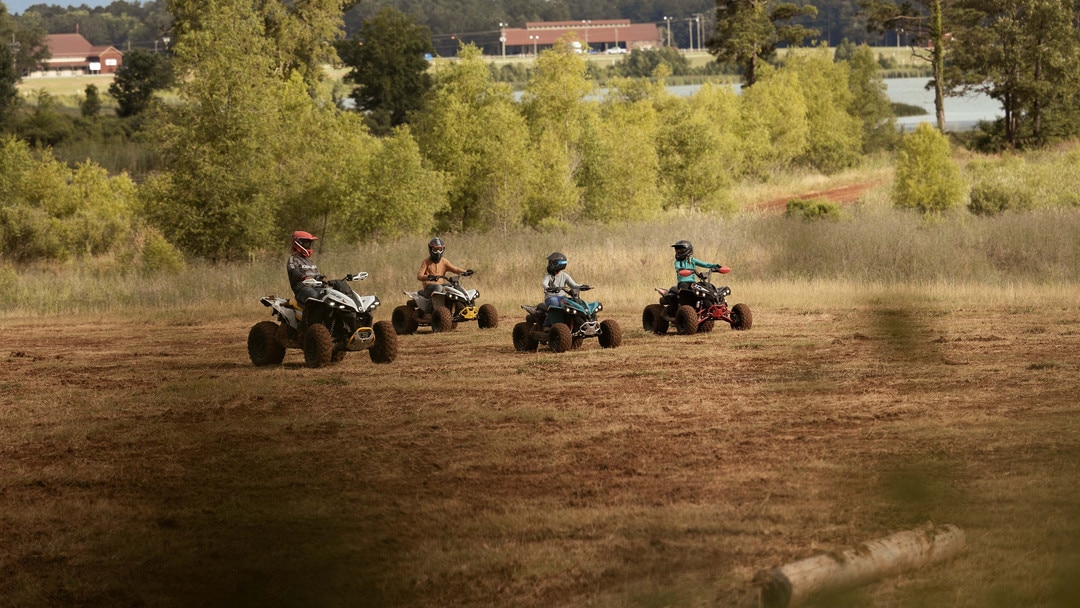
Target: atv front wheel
263 345
741 317
686 320
487 317
559 338
650 318
523 340
706 326
318 346
404 320
610 334
385 348
441 319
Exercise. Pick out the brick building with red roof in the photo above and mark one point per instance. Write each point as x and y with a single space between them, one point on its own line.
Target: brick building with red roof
72 54
597 34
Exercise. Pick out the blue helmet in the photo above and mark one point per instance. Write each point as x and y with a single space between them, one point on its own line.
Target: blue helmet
556 262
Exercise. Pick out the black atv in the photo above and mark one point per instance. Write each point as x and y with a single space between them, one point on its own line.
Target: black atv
695 308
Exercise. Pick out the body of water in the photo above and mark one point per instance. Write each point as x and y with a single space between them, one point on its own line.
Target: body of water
961 113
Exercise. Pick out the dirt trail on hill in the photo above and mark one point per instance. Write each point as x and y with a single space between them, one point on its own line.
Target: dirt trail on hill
844 195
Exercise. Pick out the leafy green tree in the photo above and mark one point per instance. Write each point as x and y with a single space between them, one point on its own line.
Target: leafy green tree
620 168
748 32
835 137
142 74
1023 53
869 102
45 126
303 33
927 178
220 197
9 94
557 114
398 195
700 155
386 61
772 127
642 63
90 106
52 211
923 22
472 132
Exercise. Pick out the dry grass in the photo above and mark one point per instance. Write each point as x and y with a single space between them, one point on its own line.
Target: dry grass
146 462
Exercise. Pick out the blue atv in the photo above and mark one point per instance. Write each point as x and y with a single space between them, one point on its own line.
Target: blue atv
573 320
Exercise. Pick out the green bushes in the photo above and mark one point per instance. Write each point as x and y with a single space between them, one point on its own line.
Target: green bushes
54 212
927 178
1022 183
813 209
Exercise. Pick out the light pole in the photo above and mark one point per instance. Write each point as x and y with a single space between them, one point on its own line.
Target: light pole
502 38
697 24
668 21
690 28
534 39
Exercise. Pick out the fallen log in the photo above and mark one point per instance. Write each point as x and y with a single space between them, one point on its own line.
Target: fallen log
792 584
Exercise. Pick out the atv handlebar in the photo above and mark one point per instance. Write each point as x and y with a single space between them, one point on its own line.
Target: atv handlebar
451 278
360 276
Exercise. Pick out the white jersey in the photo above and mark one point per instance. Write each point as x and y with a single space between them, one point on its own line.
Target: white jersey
558 281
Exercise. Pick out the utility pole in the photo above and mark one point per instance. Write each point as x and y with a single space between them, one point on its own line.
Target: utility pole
502 38
668 21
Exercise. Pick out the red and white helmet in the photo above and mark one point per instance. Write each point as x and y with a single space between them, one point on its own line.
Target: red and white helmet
303 243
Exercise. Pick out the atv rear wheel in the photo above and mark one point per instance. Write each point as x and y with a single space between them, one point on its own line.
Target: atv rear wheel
404 320
610 334
523 340
263 345
706 326
488 317
686 320
385 348
559 338
318 346
651 317
741 317
441 319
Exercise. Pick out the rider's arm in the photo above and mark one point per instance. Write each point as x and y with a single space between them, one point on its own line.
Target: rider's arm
698 262
568 280
422 275
452 268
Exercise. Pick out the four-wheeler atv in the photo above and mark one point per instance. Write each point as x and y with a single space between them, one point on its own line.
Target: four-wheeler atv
331 324
573 321
444 309
695 308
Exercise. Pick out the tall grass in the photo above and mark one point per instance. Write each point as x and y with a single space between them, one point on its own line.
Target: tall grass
873 249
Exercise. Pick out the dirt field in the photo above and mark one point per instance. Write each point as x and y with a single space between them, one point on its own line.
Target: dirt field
147 463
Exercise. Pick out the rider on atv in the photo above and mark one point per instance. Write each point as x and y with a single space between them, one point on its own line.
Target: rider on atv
685 263
301 268
435 266
554 281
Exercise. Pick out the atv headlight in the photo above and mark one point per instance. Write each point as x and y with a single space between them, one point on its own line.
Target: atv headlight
375 304
599 307
477 296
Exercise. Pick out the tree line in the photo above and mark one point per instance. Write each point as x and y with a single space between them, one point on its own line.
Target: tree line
447 148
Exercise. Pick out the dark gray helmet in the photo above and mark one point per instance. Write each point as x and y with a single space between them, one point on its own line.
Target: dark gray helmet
556 262
683 250
435 247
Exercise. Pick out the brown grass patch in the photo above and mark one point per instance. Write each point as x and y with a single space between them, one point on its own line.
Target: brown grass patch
150 464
